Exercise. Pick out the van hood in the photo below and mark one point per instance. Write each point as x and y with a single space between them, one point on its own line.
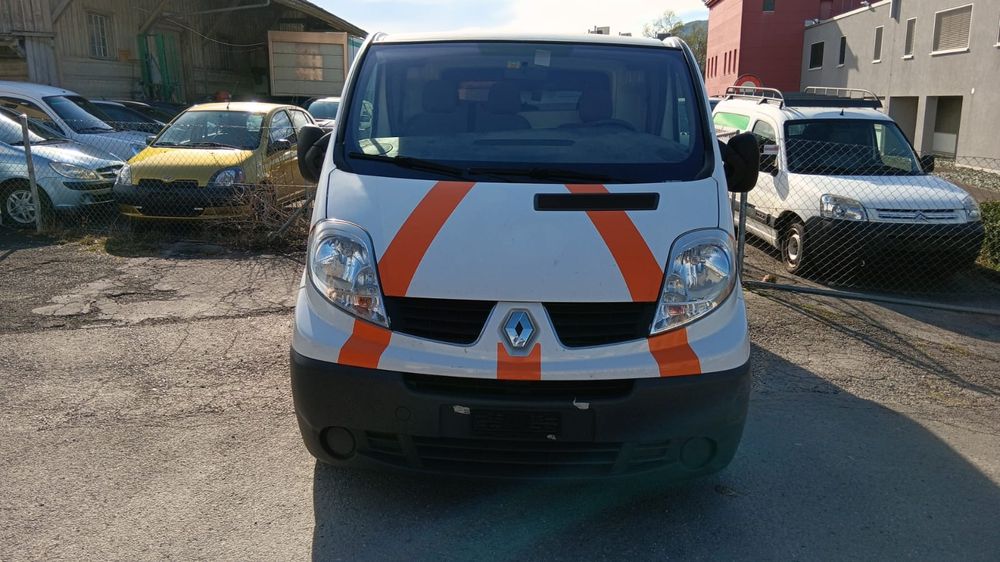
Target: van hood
887 192
170 163
487 241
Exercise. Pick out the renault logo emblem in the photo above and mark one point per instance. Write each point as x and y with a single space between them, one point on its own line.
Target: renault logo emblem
519 329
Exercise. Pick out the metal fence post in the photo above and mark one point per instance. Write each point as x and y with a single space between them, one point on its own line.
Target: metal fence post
26 139
741 241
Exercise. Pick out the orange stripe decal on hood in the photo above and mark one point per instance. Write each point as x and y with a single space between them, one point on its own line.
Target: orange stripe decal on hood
365 346
673 354
406 250
637 264
519 367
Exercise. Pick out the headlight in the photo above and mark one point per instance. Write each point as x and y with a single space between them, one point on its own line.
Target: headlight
834 207
227 177
972 211
700 276
342 267
73 171
124 176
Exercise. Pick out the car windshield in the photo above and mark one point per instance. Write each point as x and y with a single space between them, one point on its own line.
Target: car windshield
842 147
324 109
505 111
10 130
81 115
214 129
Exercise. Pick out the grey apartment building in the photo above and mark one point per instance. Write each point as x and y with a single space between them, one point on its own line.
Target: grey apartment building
935 63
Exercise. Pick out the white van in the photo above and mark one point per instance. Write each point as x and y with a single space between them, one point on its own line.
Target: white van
70 115
841 183
521 262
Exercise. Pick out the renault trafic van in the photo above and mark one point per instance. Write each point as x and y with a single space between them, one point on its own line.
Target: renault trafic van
522 262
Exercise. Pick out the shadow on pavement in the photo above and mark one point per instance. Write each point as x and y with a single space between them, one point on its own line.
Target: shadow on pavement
820 474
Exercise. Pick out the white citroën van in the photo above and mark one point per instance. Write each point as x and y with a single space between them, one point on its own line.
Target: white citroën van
522 263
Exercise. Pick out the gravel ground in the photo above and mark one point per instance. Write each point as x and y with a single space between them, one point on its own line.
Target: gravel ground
971 173
145 413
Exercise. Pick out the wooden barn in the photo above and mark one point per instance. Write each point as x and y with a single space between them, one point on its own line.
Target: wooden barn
177 50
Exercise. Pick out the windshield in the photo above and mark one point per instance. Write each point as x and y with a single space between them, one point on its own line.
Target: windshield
860 147
324 109
504 111
214 129
10 130
81 115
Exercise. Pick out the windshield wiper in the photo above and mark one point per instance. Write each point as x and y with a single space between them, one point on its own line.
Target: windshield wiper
542 173
412 163
209 144
98 129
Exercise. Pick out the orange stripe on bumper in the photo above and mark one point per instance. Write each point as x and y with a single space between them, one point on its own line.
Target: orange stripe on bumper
365 346
519 368
673 354
637 264
407 249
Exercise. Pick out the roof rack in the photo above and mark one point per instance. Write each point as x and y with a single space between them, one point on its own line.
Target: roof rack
812 96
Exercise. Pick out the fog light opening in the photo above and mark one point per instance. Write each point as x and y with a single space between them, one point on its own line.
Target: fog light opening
339 442
698 452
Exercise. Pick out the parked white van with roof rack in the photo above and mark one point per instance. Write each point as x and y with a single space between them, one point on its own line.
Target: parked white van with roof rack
840 182
71 116
521 262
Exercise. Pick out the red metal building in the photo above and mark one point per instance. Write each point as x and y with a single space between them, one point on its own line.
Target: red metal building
760 41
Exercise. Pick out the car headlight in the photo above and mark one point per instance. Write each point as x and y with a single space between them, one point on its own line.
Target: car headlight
342 267
73 171
227 177
700 276
835 207
124 176
972 211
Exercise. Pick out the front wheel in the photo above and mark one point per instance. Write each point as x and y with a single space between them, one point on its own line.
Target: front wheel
18 206
793 246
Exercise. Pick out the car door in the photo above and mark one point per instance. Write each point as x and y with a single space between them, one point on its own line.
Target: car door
280 161
769 198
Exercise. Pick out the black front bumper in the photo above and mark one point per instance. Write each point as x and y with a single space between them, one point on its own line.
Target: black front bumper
181 201
677 427
916 243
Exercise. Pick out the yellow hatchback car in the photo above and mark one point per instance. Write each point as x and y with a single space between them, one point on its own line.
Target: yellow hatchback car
215 161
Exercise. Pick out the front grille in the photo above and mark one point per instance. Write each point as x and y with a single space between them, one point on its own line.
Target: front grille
447 320
516 458
912 215
160 184
588 324
554 391
88 185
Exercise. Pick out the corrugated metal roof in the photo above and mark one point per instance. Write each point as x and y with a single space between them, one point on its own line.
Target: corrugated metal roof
315 11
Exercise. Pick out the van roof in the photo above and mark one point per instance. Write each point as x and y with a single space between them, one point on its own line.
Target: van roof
523 38
34 89
753 107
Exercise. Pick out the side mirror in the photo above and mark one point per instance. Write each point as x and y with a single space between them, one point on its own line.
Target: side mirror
311 150
769 159
279 145
927 162
149 141
741 157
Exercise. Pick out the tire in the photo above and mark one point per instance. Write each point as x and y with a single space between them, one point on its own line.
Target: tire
792 248
18 208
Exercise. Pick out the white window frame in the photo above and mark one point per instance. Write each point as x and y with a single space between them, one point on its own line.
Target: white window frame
108 35
881 44
972 14
842 44
823 56
998 36
906 30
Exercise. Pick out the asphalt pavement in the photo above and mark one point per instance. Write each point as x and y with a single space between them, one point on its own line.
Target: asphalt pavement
145 413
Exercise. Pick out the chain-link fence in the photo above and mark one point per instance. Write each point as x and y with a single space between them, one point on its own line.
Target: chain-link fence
856 214
227 175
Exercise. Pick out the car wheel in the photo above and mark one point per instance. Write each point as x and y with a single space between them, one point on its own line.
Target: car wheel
793 246
18 206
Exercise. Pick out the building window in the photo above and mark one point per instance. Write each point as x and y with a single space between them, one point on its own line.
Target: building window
768 5
99 29
911 26
877 56
816 56
951 29
842 58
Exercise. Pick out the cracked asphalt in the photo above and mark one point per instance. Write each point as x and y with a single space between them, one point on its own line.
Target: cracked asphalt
145 413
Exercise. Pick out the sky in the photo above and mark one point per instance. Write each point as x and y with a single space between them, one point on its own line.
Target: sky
550 16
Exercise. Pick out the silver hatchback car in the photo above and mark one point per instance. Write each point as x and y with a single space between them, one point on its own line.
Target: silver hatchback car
71 176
